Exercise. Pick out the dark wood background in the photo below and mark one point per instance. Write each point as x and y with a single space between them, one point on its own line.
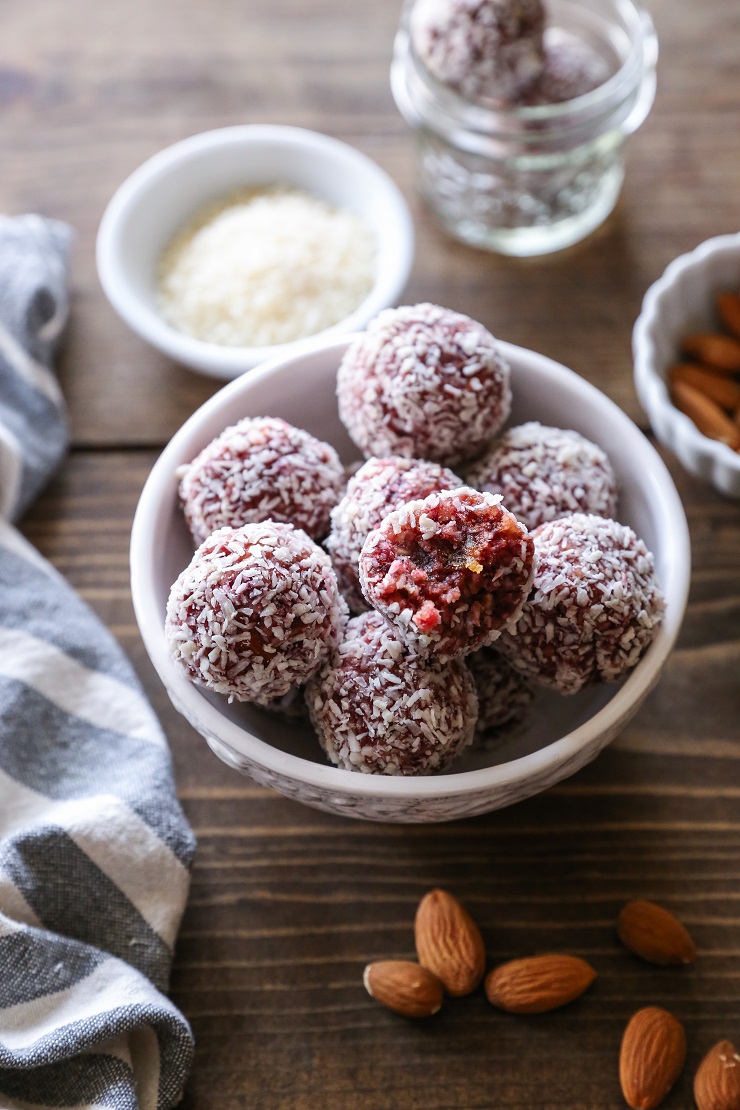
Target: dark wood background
288 904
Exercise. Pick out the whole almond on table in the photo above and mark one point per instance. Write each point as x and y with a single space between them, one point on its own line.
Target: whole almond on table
536 984
720 351
448 942
708 417
404 987
717 1080
728 306
655 934
652 1057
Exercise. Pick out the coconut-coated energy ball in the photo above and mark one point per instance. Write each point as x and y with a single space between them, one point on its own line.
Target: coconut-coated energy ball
543 473
256 612
423 382
450 572
261 469
485 50
594 607
504 695
571 68
380 709
378 487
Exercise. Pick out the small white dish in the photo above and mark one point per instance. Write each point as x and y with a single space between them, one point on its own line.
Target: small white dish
678 303
164 193
565 733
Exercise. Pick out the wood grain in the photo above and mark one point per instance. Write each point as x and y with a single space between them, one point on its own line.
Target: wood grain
288 904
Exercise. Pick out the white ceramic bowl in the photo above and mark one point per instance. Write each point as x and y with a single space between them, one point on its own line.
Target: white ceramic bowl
166 191
566 732
681 302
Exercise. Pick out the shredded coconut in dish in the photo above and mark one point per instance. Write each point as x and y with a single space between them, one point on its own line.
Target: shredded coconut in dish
594 606
265 266
424 382
380 709
543 473
261 469
257 611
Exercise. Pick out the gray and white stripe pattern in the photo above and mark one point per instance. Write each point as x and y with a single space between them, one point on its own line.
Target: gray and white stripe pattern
95 852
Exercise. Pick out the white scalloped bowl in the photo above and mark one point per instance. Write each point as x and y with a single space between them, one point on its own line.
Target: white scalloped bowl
680 302
565 733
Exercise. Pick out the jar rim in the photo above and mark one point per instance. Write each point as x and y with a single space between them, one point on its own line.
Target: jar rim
427 100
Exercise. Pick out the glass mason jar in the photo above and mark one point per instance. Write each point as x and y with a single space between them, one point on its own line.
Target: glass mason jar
530 180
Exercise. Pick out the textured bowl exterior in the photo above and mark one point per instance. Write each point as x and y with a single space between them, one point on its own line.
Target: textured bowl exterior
682 301
569 731
164 193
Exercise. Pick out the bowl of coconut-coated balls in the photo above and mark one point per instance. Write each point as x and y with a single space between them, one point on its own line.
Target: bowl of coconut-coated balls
411 575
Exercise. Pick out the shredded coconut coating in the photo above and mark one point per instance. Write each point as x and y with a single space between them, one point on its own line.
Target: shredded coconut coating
257 611
380 709
543 473
261 469
378 487
450 572
423 382
571 68
594 607
487 50
504 696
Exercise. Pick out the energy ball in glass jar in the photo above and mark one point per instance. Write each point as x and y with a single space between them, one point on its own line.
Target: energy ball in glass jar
378 487
450 572
256 612
423 382
543 473
594 607
261 469
486 50
380 709
571 68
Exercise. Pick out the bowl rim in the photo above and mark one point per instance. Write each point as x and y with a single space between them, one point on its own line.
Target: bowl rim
190 701
215 359
650 383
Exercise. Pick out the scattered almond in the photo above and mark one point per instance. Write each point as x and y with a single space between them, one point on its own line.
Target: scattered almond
652 1057
717 1080
536 984
720 351
655 934
728 306
720 388
404 987
448 942
708 417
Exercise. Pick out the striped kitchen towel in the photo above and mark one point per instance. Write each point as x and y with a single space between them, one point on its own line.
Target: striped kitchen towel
95 851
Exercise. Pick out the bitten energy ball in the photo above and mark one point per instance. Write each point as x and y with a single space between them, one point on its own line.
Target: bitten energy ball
378 708
484 49
261 469
449 572
594 606
377 488
257 611
423 382
543 473
504 696
571 68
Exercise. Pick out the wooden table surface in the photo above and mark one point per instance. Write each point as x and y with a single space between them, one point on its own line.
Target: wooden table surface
288 904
